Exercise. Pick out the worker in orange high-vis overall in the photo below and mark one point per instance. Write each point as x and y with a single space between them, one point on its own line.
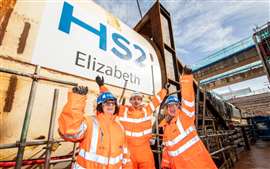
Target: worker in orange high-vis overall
183 148
136 120
102 139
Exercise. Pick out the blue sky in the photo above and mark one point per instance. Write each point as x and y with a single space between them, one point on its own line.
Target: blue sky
200 26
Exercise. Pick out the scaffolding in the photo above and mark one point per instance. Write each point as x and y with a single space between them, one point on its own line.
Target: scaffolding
22 143
261 37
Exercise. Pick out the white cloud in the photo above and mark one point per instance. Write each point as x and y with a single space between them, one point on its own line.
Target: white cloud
182 50
206 23
205 26
127 10
200 26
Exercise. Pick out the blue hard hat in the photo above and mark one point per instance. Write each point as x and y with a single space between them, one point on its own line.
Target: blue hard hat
172 99
104 97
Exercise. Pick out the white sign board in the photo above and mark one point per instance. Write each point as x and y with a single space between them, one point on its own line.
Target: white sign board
81 38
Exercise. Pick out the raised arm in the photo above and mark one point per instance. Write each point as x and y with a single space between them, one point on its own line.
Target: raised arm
72 123
187 92
157 99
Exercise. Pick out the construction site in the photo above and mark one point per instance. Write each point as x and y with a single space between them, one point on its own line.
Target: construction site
48 48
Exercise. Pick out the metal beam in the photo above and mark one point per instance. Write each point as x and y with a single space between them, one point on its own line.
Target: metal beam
263 53
256 72
238 60
253 104
252 98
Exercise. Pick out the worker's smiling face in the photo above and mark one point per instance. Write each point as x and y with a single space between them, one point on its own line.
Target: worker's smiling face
136 101
172 108
109 106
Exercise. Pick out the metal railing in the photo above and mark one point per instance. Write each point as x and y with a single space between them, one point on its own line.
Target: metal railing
22 143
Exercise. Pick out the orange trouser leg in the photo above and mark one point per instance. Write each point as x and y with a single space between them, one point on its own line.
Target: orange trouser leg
142 157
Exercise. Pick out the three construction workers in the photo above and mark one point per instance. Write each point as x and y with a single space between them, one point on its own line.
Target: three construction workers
118 136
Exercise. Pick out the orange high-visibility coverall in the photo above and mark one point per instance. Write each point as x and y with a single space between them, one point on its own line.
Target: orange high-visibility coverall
102 139
183 147
138 130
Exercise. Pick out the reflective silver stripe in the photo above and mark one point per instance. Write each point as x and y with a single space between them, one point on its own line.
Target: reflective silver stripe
159 99
94 137
188 103
125 150
138 134
184 147
145 112
125 161
185 81
125 112
77 166
165 161
116 159
179 137
180 126
99 158
133 120
188 113
81 131
152 106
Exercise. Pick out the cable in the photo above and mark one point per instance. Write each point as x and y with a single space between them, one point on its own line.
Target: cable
139 8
